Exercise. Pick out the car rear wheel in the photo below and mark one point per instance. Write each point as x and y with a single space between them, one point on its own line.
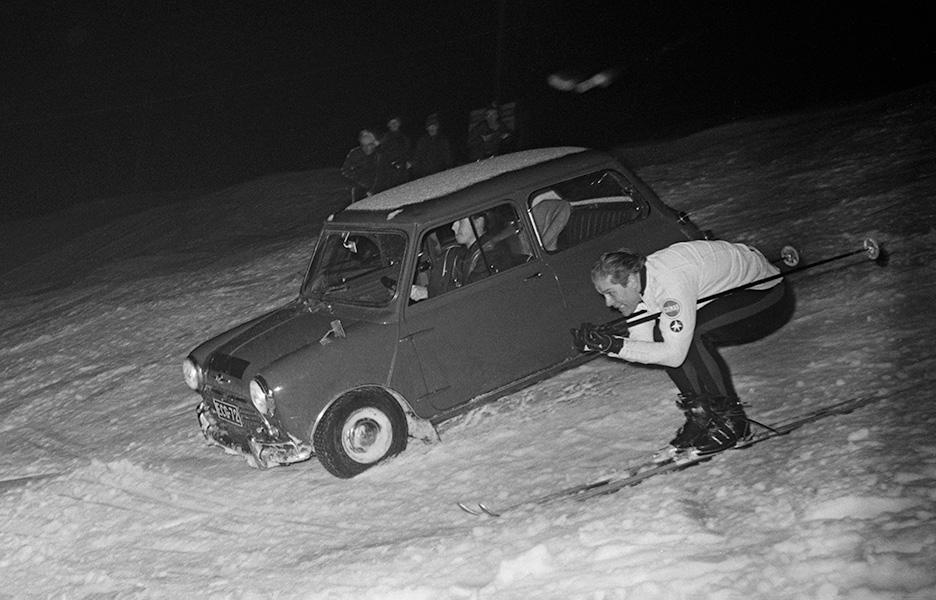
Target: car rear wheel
358 431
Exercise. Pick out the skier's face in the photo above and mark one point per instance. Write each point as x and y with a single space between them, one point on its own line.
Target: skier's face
623 298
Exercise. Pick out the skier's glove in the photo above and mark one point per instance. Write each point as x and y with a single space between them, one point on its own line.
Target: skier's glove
589 338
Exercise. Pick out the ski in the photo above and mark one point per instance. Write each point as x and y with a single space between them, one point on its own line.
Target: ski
651 468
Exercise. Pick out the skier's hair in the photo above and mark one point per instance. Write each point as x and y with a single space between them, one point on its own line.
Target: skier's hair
618 266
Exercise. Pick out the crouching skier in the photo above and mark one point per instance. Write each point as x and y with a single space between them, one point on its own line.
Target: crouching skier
684 336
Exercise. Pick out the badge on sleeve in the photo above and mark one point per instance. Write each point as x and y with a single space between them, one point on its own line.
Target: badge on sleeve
676 326
671 308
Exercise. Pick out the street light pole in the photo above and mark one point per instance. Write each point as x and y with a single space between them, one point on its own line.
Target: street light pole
501 25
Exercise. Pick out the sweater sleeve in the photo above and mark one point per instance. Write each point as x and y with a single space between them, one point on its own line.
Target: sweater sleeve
677 319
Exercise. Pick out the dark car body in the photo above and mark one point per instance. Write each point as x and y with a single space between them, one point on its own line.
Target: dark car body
355 364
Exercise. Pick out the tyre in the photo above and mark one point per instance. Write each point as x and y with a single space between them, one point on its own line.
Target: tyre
359 430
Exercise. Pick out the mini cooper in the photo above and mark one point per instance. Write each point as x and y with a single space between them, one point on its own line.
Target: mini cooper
424 301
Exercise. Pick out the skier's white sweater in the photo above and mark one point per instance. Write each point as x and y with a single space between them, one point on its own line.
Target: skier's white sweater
677 277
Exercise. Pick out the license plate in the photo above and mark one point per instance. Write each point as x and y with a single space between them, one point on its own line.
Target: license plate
228 412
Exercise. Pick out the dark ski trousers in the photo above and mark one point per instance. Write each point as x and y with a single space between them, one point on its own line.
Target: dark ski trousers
737 318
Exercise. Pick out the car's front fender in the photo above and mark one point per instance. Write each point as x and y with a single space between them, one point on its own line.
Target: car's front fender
306 381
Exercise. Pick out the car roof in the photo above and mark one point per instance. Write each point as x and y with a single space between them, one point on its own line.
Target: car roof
457 178
449 190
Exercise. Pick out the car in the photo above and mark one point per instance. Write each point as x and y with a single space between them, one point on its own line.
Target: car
424 301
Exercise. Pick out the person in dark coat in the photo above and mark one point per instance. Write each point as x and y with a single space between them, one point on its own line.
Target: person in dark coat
433 151
395 149
362 167
489 138
479 252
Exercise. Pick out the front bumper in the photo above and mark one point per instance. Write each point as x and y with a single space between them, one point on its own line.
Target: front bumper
262 444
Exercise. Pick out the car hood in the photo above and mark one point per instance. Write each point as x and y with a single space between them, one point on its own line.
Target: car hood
273 336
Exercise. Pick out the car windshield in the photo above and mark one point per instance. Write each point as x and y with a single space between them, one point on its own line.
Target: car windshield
356 267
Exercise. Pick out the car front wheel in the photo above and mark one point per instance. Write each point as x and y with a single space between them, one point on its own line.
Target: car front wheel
358 431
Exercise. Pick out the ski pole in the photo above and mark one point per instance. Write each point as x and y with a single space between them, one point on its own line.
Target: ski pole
869 247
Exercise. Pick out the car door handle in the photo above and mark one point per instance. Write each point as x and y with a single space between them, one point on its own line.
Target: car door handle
536 275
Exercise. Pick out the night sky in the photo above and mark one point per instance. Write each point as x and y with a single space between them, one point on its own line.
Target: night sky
105 98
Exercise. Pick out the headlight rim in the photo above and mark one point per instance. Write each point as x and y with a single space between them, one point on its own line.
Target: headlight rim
261 396
193 374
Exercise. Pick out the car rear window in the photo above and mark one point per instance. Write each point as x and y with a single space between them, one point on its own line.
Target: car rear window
573 211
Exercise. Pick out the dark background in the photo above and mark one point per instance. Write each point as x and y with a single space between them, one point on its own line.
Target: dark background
106 98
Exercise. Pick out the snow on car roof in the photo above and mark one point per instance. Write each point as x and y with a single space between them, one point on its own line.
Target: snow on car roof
458 178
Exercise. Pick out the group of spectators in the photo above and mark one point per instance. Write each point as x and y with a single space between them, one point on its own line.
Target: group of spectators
384 161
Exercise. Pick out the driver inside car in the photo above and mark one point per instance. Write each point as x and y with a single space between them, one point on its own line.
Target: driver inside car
480 252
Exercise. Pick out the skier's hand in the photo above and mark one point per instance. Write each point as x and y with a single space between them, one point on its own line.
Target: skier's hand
601 341
589 338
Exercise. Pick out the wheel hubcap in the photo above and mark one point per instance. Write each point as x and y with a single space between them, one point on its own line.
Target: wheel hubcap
363 435
367 435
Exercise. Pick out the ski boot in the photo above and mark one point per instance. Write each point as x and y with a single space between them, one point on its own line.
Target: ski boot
687 434
727 425
713 424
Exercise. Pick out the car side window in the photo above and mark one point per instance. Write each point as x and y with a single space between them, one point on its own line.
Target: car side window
579 209
470 249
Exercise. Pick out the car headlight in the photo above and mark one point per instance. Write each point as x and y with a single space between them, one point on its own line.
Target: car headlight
261 396
193 374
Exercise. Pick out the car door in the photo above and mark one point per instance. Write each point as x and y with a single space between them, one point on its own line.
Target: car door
489 333
605 213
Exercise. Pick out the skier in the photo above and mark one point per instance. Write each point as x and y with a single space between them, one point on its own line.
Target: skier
684 335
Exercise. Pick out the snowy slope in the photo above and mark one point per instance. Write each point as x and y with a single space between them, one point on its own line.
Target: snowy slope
107 490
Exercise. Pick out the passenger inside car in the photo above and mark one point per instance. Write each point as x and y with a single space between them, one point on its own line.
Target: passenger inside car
550 213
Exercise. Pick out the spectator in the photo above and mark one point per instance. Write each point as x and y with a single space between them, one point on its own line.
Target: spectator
362 167
395 148
489 137
433 151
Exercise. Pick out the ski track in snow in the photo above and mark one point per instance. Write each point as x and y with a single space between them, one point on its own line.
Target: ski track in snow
107 490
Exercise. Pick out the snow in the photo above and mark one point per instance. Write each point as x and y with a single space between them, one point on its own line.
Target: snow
107 489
